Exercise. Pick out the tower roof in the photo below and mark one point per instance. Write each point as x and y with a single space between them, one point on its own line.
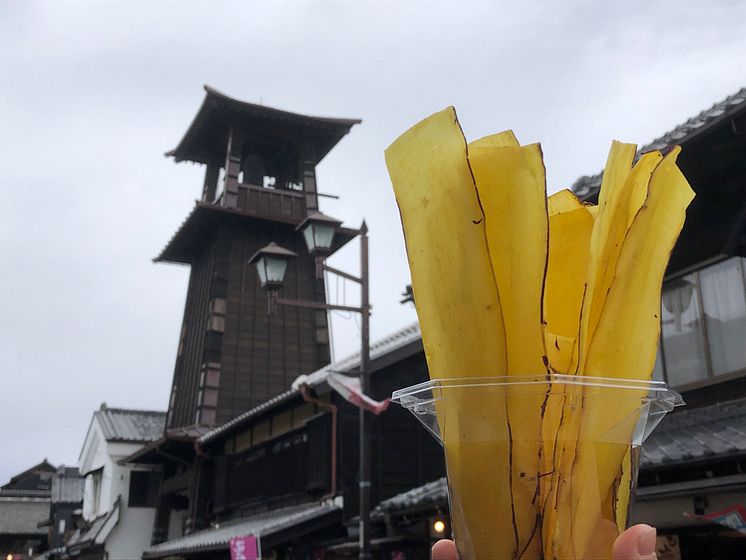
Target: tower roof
204 220
218 111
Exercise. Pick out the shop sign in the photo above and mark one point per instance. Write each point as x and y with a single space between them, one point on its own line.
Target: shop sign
245 548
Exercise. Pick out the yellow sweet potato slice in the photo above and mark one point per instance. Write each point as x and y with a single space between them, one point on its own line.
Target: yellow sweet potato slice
504 139
460 317
569 242
624 346
622 193
570 226
562 201
512 190
609 229
457 300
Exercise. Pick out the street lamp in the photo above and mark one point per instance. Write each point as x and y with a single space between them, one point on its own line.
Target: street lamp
318 230
271 263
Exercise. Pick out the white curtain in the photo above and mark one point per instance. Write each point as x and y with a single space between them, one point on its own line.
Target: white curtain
683 336
724 303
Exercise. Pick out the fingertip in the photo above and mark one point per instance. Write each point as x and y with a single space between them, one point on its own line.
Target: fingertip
636 543
444 550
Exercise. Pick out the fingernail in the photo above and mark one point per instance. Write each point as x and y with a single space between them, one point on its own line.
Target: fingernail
646 543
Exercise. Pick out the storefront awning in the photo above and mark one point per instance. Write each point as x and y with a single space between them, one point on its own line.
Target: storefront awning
262 525
431 495
709 433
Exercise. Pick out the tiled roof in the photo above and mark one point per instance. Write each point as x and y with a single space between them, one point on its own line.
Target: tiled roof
433 493
120 424
386 345
586 186
378 349
217 109
20 516
251 413
67 485
97 530
711 432
263 524
31 483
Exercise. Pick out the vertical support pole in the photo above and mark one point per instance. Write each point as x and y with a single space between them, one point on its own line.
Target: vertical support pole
308 175
232 168
365 552
211 182
162 517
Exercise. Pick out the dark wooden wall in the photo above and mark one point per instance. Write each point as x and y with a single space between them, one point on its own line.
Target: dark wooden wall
227 327
293 467
404 455
262 354
191 351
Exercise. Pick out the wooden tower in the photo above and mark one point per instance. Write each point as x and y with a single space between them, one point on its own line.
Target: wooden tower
260 183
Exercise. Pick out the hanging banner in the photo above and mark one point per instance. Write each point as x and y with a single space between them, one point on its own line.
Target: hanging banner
349 388
245 548
733 517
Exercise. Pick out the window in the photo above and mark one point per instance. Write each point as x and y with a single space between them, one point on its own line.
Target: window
143 489
703 324
724 305
61 527
683 335
96 491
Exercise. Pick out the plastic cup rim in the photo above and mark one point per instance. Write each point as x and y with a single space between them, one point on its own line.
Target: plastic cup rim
657 390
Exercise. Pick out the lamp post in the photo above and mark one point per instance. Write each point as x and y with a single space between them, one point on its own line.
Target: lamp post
271 263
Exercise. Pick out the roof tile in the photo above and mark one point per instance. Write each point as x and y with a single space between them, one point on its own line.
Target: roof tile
587 186
262 524
120 424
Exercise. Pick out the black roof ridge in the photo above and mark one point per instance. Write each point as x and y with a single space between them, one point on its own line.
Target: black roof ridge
30 469
219 101
587 185
332 120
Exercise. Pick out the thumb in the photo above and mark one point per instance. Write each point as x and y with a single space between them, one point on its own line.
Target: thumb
445 550
636 543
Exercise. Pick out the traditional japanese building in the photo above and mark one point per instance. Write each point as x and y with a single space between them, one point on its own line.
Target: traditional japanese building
119 501
24 506
281 459
260 184
66 508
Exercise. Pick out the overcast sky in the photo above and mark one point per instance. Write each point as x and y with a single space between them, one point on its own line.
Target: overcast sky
92 94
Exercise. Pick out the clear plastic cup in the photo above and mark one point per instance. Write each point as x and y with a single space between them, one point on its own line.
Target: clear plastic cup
542 466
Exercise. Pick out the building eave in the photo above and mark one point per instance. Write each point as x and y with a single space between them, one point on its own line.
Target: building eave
216 105
204 219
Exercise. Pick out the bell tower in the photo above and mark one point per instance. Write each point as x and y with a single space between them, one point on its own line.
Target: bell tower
260 184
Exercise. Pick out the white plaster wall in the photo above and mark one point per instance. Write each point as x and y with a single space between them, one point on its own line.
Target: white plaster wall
132 535
134 531
94 456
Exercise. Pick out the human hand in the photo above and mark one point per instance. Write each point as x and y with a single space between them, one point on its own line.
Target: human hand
636 543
